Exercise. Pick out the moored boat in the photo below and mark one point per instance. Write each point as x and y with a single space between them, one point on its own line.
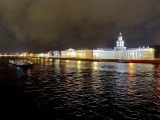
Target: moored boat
21 63
123 61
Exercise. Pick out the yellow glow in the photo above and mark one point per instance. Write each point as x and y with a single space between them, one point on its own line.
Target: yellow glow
150 50
95 65
67 64
131 81
79 62
58 60
79 66
130 64
95 62
131 68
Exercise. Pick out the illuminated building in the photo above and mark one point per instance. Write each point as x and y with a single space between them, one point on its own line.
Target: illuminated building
70 53
54 54
103 53
121 52
83 53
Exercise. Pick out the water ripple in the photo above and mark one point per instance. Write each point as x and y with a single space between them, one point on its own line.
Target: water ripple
82 90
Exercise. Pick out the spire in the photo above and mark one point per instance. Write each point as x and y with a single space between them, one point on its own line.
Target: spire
120 33
120 42
120 36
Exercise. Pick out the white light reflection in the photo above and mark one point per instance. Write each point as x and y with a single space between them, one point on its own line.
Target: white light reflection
19 72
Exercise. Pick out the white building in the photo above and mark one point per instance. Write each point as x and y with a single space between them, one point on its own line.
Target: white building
121 52
70 53
53 54
101 53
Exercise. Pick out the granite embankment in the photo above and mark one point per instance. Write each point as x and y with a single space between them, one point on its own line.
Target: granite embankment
111 60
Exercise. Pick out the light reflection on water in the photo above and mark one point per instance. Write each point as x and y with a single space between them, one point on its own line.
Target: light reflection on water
67 89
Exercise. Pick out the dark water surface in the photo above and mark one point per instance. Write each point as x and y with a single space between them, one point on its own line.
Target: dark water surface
64 90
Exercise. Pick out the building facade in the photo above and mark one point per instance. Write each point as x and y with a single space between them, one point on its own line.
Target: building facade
119 52
54 54
70 53
83 53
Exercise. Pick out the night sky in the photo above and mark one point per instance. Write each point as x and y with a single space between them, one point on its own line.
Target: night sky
45 25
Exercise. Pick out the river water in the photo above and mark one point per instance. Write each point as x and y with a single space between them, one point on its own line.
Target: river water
64 90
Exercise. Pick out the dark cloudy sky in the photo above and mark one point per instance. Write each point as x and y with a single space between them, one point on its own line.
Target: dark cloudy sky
44 25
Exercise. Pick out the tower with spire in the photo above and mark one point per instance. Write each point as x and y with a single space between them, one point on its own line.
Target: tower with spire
120 43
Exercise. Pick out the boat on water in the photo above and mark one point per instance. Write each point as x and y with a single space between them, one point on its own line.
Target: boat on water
21 63
123 61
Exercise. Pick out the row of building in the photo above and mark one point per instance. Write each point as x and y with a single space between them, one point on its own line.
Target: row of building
119 52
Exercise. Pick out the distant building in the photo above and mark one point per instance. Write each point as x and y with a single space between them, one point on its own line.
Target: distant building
119 52
70 53
82 53
102 53
53 54
85 53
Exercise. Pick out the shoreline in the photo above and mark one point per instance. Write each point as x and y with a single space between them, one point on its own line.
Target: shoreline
96 60
107 60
